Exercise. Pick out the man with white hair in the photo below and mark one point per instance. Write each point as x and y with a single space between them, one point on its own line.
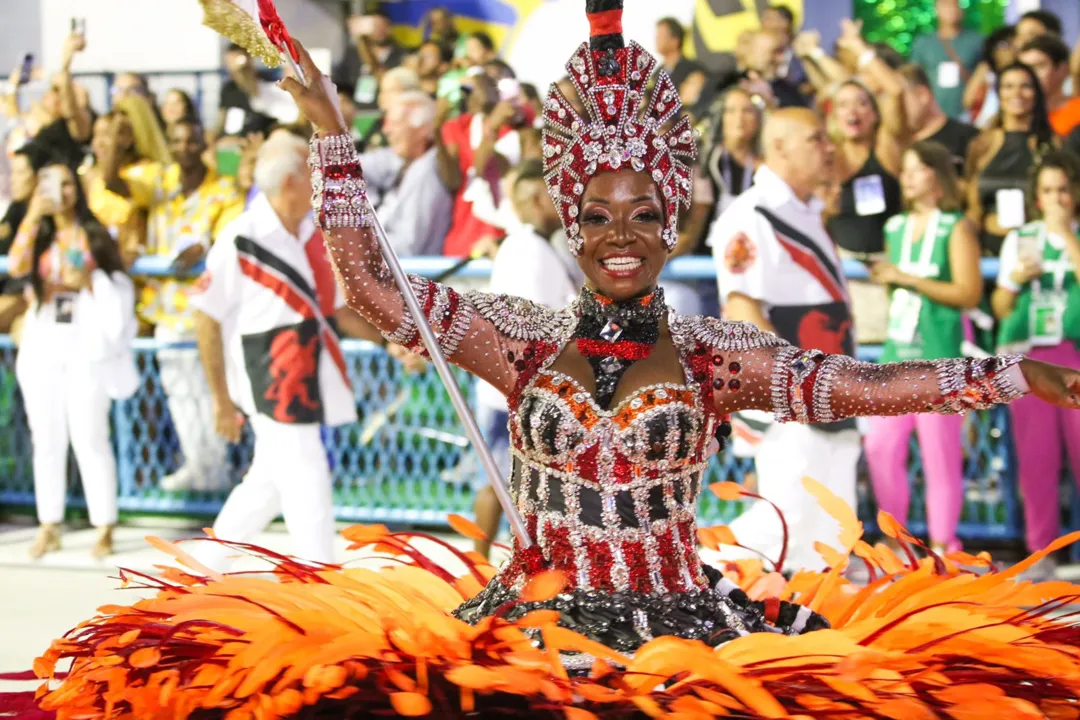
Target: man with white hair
406 180
266 319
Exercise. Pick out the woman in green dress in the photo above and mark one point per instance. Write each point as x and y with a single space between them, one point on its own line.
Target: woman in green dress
933 270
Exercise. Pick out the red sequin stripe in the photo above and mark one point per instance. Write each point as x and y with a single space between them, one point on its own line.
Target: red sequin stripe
772 610
601 562
605 23
670 567
808 392
336 172
637 564
623 349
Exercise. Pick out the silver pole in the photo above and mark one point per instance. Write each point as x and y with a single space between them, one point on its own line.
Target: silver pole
472 430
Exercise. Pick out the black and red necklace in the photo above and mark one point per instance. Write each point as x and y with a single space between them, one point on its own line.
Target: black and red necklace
614 335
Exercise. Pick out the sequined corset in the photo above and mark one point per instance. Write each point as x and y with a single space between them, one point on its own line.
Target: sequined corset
610 496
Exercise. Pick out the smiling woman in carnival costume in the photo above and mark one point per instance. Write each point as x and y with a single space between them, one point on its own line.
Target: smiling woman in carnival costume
614 404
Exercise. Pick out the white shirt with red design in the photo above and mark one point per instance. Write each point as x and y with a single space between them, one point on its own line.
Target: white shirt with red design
265 285
756 259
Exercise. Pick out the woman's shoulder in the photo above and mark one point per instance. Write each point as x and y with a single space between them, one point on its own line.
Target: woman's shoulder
984 141
691 331
520 319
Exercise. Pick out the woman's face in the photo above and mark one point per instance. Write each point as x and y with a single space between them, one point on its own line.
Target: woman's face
23 178
174 108
1004 53
740 122
100 139
918 181
482 94
1017 92
1054 195
854 114
622 221
125 134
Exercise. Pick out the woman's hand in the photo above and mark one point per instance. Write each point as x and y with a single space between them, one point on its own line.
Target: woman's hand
318 98
42 203
884 273
806 42
851 38
1055 384
1025 272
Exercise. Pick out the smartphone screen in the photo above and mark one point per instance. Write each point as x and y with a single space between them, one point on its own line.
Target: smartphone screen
50 183
27 68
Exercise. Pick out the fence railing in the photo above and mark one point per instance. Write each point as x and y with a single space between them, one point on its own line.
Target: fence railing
407 459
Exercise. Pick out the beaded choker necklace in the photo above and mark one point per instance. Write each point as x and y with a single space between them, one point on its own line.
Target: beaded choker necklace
614 335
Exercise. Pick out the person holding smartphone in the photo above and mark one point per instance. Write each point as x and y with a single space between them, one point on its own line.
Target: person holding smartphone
1037 301
932 274
75 352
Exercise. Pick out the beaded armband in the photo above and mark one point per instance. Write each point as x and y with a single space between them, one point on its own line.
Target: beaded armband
971 384
339 193
801 383
446 310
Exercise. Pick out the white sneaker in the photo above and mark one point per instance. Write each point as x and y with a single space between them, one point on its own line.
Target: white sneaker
180 481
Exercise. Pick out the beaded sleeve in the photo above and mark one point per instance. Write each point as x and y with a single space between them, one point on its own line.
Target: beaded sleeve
466 326
752 369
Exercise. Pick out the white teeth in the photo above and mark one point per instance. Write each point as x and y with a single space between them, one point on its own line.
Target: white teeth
622 263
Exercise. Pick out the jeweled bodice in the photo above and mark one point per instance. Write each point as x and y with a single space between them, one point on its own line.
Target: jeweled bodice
610 495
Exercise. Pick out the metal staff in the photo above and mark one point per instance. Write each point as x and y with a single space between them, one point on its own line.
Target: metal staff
472 430
427 335
457 399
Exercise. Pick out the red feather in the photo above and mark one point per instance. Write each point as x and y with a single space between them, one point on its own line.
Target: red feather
274 28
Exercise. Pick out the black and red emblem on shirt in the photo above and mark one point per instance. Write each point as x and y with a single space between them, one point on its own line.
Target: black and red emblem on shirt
283 366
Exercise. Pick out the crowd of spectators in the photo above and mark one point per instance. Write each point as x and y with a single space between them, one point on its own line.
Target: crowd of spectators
451 140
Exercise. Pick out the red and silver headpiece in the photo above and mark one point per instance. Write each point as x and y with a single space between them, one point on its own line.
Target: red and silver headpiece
618 133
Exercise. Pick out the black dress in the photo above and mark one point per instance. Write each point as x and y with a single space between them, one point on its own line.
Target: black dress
864 234
1009 169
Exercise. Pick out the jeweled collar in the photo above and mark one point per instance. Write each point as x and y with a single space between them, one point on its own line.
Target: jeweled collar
614 335
645 309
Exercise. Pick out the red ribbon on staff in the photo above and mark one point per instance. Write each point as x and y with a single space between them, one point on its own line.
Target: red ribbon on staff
274 28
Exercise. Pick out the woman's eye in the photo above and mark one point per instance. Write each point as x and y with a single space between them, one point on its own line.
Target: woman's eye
647 216
593 219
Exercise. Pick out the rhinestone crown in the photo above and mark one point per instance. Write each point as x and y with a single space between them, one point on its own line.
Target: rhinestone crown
617 133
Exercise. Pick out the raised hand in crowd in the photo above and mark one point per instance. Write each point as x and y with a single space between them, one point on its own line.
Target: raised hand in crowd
851 38
806 42
505 112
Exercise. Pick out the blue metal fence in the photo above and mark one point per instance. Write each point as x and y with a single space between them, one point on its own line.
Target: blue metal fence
407 460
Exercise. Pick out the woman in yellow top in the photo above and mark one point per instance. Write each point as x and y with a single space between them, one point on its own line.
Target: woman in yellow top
128 148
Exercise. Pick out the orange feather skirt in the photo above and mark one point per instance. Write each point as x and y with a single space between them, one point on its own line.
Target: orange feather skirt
937 637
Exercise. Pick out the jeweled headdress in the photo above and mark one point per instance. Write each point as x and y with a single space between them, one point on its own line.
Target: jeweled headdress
618 133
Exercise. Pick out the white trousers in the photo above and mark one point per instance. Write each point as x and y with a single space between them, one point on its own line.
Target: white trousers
289 476
66 403
192 411
789 453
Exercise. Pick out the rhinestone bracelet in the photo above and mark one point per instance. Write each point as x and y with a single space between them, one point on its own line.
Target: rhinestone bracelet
339 193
